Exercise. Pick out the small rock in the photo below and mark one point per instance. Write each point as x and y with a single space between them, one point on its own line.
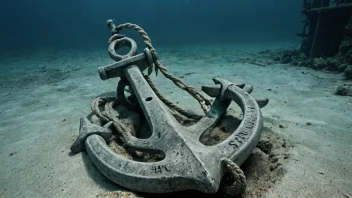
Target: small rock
348 72
294 62
344 90
281 126
190 73
283 144
308 123
302 63
265 146
302 56
274 166
286 59
216 137
274 160
342 67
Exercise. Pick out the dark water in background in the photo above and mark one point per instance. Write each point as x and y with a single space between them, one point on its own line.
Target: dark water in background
82 23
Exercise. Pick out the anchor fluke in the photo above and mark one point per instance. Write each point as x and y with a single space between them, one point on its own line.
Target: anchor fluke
212 90
248 88
262 102
86 128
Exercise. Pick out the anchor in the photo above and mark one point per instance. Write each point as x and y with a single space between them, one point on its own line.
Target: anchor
185 162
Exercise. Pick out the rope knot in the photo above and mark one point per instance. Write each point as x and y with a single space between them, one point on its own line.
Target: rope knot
154 55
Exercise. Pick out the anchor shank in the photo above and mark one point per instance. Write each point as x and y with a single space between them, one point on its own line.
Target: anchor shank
154 110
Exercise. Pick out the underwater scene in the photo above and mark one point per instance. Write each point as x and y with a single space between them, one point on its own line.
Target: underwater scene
176 98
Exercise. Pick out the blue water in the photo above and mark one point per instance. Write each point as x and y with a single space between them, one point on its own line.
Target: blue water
82 23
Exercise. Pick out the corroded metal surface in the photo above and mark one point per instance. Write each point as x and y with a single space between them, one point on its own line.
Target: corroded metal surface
187 163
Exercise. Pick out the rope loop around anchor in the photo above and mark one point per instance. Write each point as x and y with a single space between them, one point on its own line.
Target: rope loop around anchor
107 115
204 102
121 97
237 183
169 103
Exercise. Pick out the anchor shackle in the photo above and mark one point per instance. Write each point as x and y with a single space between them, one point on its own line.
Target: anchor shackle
112 26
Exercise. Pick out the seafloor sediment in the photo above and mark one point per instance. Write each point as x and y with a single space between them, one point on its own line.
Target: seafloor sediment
45 92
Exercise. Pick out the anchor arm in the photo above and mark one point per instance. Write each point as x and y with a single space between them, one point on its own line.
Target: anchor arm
178 171
155 177
214 91
249 130
218 108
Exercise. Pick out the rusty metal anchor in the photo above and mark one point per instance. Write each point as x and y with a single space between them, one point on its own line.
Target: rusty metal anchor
187 163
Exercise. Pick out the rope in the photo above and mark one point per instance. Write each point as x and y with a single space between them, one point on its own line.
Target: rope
238 185
121 95
204 103
95 107
107 116
169 103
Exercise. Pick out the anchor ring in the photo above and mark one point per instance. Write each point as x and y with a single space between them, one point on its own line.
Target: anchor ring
119 43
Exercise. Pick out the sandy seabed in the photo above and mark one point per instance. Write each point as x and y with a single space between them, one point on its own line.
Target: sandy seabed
44 93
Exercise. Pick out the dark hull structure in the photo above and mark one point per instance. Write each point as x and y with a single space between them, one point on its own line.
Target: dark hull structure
327 28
